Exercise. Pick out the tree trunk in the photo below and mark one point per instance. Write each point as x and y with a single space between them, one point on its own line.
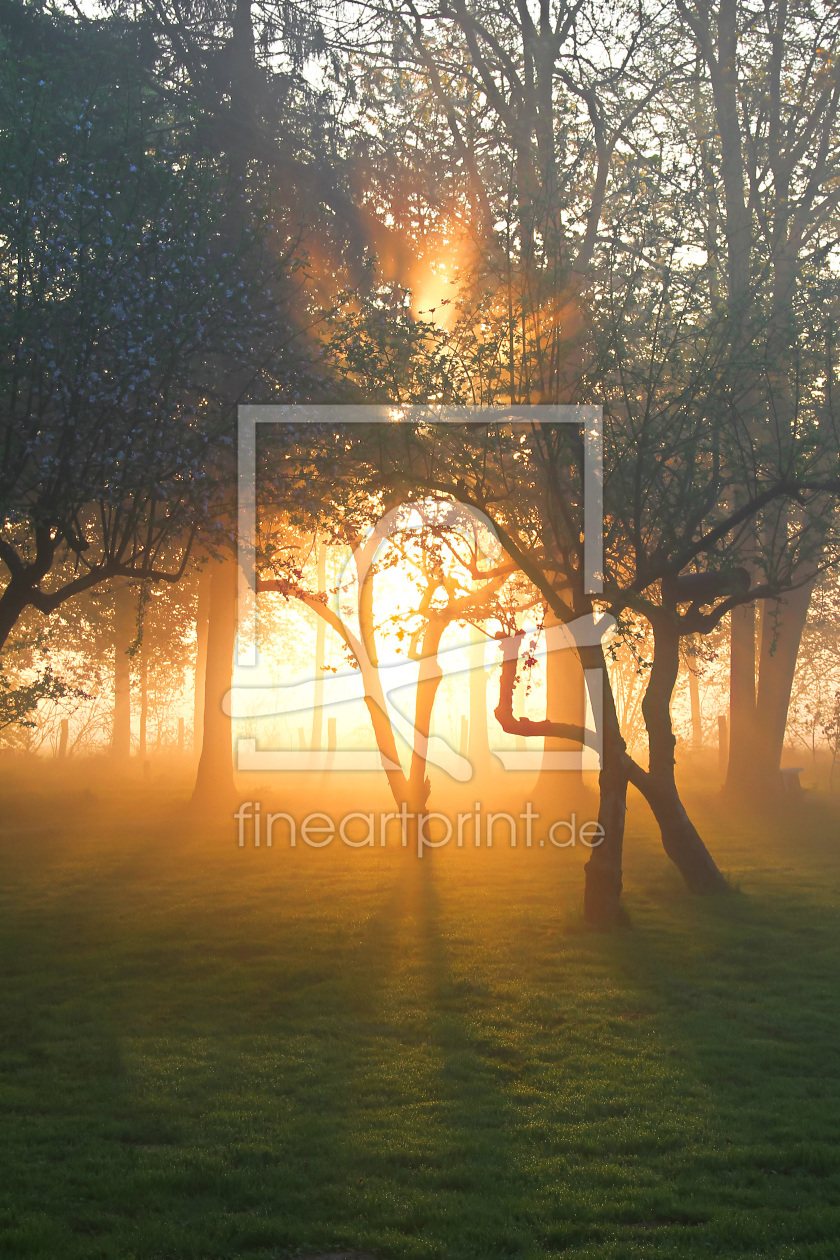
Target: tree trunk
758 723
13 600
782 623
680 838
694 702
214 783
144 699
202 622
427 689
742 716
124 634
602 890
682 841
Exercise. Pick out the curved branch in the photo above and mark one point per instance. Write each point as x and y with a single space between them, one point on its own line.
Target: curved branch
525 726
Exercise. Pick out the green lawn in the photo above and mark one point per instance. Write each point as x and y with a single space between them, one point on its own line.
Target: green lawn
209 1051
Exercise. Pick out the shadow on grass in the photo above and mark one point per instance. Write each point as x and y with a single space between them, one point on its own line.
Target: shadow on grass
211 1053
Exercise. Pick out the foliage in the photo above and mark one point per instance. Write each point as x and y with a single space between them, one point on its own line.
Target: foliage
19 700
812 719
130 293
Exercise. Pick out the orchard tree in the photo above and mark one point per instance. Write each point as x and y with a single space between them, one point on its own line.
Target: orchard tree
128 305
595 276
495 132
762 100
460 577
671 555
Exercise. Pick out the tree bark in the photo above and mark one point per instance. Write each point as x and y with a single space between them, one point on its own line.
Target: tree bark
782 624
680 838
602 890
214 783
758 722
419 785
776 224
14 599
604 880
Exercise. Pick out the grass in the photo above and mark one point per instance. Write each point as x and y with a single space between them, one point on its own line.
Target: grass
208 1051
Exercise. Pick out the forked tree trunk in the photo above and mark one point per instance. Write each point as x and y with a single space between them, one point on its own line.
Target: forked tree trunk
124 632
410 789
214 783
680 838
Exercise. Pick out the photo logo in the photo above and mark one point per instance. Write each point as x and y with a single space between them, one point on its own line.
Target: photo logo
379 684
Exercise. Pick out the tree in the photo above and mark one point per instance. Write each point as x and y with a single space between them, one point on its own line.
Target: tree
649 336
20 697
812 721
498 159
767 91
121 312
529 483
214 775
446 555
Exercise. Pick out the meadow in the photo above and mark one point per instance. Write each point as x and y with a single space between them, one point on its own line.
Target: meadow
209 1051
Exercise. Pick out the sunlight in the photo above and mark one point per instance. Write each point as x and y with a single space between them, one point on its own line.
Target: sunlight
419 566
